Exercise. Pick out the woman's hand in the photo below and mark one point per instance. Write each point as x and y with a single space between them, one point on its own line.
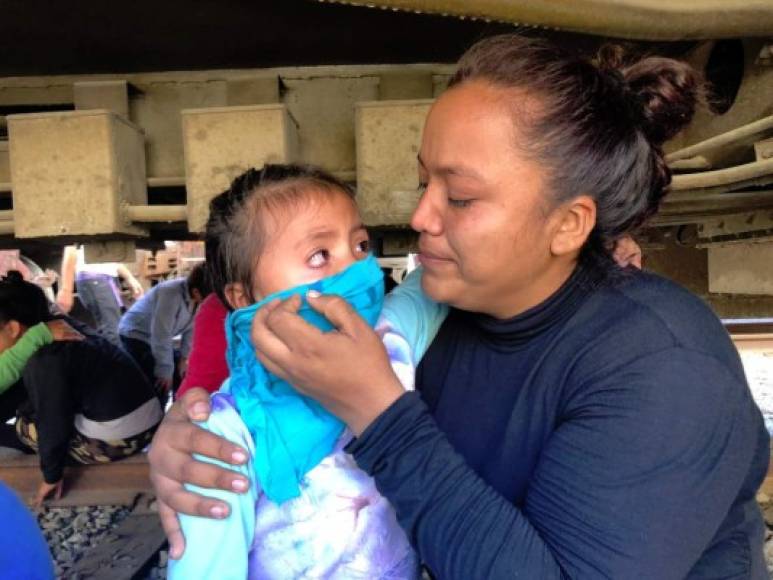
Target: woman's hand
346 370
61 331
172 465
627 252
46 489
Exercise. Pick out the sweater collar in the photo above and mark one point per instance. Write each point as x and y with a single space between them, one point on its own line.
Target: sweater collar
512 333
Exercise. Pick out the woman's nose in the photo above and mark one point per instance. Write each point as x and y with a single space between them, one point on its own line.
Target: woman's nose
427 217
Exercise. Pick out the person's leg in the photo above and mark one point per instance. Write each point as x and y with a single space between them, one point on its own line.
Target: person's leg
221 548
9 439
177 379
27 433
98 295
11 400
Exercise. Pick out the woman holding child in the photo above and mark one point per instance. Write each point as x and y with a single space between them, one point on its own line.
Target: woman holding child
572 418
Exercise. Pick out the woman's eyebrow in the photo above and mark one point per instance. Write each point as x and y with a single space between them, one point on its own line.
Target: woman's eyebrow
459 171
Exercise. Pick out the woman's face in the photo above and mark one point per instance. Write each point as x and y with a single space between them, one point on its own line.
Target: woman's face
484 216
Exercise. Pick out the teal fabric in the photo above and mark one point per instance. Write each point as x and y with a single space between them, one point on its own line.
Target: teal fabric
292 432
414 316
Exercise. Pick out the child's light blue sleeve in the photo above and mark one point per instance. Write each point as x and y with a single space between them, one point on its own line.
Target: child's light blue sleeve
413 315
220 548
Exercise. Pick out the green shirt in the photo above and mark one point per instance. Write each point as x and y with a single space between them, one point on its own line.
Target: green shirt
13 360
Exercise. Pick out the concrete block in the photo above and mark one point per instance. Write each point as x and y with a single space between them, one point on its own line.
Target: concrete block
406 85
257 91
157 110
388 136
110 95
72 171
323 107
744 268
5 166
220 143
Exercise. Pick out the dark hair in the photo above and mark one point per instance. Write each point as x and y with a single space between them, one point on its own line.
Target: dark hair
199 280
599 128
235 232
22 301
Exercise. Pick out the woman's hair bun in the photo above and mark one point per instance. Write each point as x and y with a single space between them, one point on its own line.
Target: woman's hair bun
666 91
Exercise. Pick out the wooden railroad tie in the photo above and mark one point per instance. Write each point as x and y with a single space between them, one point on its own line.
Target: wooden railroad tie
116 483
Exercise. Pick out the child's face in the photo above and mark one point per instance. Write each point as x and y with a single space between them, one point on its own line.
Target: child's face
314 240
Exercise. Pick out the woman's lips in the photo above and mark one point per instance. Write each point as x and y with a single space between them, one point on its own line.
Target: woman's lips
429 260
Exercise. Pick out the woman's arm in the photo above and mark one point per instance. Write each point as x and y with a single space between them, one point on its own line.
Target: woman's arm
45 378
136 287
635 481
13 360
636 478
66 297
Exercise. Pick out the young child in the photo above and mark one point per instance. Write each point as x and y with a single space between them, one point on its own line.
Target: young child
310 512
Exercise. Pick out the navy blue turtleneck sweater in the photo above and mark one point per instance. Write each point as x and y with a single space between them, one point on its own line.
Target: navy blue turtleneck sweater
607 433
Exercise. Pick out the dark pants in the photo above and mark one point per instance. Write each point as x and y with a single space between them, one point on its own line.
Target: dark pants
10 402
98 295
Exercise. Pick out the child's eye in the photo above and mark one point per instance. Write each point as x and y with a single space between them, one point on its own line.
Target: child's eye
422 187
459 202
319 258
363 246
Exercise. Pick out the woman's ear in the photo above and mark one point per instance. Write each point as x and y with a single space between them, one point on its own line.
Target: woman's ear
236 296
13 330
575 221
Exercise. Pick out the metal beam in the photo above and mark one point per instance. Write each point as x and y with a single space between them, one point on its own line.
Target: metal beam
738 176
742 133
635 19
156 213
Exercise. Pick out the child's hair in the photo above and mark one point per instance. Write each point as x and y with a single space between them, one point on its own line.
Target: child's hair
22 301
236 230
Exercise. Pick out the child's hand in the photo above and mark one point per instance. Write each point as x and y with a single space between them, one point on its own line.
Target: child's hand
346 370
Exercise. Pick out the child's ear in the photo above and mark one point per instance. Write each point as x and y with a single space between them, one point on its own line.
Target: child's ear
236 296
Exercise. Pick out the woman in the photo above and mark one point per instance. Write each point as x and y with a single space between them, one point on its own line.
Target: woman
85 399
573 419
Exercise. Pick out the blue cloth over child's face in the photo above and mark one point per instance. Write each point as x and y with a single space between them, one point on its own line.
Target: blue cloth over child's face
292 432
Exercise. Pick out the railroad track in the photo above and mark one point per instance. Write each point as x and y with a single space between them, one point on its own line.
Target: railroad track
122 553
125 552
